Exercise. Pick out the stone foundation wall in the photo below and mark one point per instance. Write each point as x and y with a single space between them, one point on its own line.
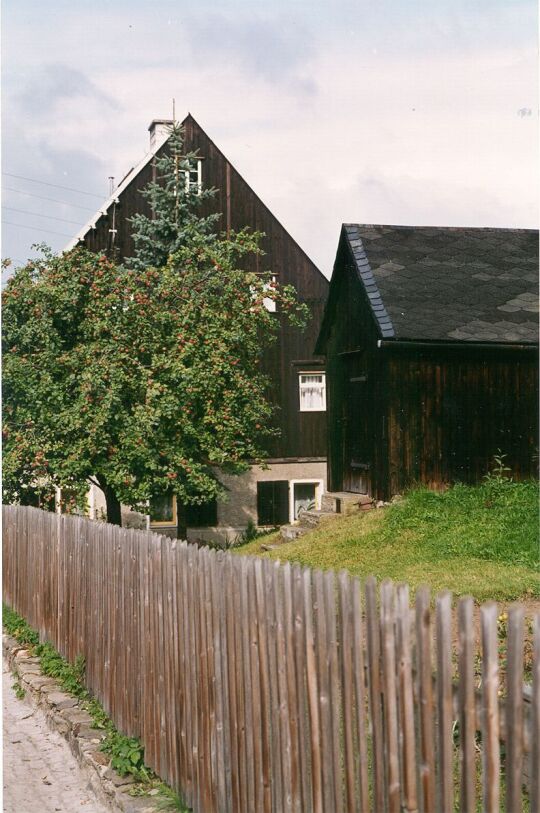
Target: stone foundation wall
241 506
235 512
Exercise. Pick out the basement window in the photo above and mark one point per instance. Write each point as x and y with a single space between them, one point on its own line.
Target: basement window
312 388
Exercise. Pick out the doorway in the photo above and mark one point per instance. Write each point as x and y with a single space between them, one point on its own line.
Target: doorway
305 495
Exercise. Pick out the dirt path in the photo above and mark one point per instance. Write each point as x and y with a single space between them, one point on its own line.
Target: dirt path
40 772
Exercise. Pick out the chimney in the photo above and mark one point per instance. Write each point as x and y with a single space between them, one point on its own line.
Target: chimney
160 129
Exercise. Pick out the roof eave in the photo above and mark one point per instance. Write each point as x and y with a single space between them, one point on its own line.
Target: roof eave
113 198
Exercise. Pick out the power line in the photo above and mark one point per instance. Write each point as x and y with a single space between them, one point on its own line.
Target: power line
56 186
35 214
36 228
51 200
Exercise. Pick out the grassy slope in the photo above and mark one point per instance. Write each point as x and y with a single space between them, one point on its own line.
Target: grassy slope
480 540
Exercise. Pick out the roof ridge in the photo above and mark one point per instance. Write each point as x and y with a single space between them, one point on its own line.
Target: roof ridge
414 227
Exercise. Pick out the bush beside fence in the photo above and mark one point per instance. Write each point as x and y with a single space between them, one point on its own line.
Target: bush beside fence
260 686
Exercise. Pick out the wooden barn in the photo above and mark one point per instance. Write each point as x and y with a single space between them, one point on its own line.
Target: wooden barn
431 344
296 472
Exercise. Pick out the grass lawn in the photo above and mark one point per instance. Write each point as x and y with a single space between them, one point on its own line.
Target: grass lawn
477 540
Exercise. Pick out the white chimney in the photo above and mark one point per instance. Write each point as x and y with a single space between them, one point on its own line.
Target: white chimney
160 129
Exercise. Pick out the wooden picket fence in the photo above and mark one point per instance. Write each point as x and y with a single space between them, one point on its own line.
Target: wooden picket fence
260 686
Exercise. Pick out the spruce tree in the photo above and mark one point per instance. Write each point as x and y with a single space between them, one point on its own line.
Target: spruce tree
175 202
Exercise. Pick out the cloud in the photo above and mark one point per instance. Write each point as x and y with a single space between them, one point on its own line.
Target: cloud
331 112
57 84
278 50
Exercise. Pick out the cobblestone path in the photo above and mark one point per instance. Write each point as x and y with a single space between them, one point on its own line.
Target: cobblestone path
41 775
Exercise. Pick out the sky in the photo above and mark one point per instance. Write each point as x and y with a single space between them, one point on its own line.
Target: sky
417 113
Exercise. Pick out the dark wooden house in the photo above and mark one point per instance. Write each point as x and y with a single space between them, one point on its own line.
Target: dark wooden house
297 464
431 344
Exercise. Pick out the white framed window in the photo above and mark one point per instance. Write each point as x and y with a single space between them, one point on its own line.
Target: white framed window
270 304
312 388
193 176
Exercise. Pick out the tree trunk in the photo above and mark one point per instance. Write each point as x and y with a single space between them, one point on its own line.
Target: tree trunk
181 520
114 512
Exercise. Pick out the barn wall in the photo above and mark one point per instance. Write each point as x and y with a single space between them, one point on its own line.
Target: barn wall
302 434
448 416
356 413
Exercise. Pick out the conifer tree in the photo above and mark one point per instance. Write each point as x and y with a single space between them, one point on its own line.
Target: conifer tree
175 199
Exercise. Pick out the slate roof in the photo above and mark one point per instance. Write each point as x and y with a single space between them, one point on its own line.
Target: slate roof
466 284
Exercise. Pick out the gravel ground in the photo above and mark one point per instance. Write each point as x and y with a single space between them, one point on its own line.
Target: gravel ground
41 775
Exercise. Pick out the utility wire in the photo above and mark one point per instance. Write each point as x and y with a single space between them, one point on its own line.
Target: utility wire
56 186
32 228
51 200
35 214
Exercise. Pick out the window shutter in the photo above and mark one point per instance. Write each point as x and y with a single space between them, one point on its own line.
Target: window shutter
273 502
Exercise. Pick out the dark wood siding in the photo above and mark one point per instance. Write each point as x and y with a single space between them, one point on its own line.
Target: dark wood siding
302 434
450 415
357 426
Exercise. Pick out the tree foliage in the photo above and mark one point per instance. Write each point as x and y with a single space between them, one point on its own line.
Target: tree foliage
146 378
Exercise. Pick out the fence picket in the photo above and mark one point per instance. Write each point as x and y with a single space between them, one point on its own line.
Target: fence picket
388 663
283 703
302 690
405 677
490 707
467 706
424 678
335 688
514 709
246 642
444 702
322 668
346 650
276 745
313 696
359 673
374 681
535 718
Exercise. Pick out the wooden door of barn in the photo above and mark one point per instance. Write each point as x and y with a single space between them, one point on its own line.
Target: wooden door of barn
357 438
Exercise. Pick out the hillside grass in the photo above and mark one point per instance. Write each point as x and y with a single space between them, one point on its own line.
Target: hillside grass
473 540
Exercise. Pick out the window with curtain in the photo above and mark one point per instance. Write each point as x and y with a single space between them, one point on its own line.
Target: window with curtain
312 392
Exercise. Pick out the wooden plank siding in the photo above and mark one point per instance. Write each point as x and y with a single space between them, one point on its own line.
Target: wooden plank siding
449 415
352 354
303 434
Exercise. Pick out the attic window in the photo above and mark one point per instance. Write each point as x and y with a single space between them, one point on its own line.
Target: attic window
193 176
312 392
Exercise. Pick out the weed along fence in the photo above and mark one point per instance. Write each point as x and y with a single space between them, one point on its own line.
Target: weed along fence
259 686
